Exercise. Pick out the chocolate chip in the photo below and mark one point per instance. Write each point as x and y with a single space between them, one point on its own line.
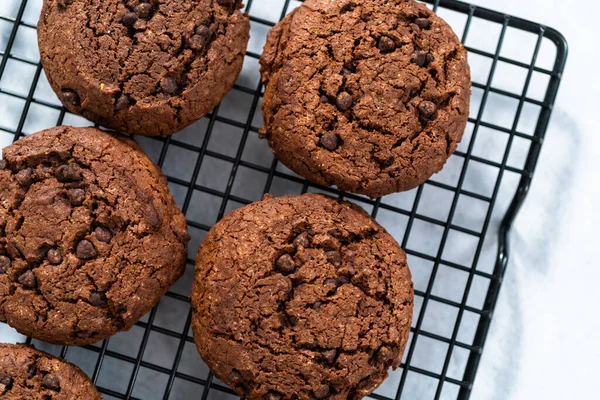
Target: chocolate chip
386 44
129 19
343 101
302 240
32 370
226 3
123 102
25 177
28 279
334 258
86 250
321 391
419 58
292 320
273 396
347 71
286 264
76 196
329 356
333 283
330 141
70 97
324 99
151 217
349 7
103 234
427 109
97 299
51 382
6 381
169 85
69 173
3 164
423 23
317 305
197 42
143 10
203 30
4 264
64 3
85 334
235 378
200 39
54 257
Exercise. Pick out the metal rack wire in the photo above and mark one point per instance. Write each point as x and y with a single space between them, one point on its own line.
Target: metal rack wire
225 166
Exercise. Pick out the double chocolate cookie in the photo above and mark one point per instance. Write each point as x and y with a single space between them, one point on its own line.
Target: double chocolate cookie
90 236
301 298
368 95
27 373
148 67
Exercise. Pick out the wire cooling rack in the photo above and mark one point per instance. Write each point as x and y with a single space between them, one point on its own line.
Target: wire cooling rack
454 228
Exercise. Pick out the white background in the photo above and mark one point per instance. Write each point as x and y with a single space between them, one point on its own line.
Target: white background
544 337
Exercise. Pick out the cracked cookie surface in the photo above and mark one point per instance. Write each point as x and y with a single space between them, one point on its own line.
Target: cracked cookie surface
27 373
149 67
368 95
90 236
301 298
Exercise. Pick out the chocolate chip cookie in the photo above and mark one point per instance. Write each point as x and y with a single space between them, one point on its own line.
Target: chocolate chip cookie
368 95
27 373
148 67
90 236
301 298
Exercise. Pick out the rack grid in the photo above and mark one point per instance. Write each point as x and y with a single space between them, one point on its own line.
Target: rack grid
454 228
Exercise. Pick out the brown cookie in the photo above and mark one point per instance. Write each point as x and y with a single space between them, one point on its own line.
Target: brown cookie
301 297
368 95
27 373
90 236
149 67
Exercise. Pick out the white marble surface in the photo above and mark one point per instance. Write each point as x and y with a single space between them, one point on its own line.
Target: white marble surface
541 344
